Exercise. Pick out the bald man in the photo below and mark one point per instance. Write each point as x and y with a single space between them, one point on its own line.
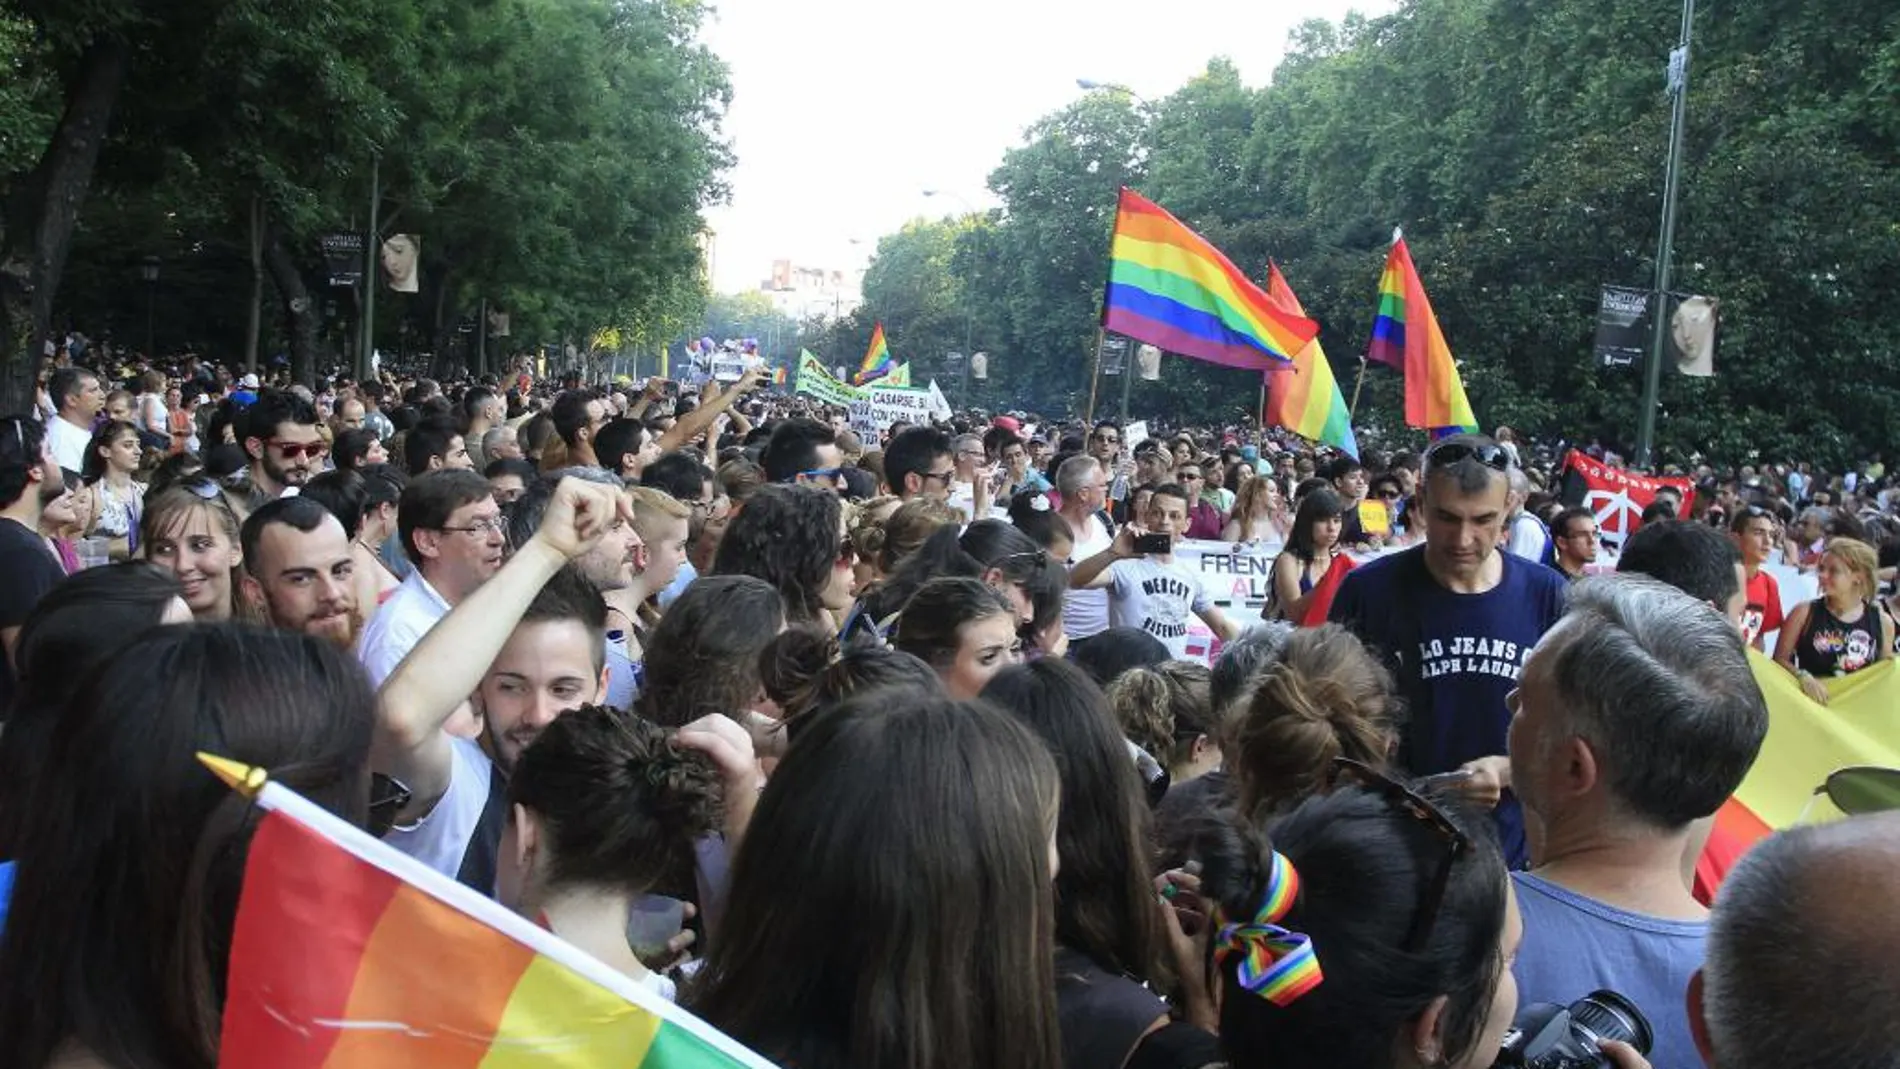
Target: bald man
1803 968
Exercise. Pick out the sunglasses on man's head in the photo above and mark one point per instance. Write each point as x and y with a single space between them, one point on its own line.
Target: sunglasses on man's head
1491 456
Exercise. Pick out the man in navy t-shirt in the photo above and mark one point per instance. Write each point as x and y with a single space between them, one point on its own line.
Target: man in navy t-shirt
1456 616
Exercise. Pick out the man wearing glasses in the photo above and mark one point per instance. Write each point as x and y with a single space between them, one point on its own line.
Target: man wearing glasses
917 464
803 451
1457 617
1105 445
454 531
284 447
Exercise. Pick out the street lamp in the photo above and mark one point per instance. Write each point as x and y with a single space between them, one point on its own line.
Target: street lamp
148 270
969 305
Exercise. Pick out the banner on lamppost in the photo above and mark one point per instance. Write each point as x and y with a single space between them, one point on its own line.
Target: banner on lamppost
1622 326
1113 355
402 257
1148 363
1625 327
980 366
343 258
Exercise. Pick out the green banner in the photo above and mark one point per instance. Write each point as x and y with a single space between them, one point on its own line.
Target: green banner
813 379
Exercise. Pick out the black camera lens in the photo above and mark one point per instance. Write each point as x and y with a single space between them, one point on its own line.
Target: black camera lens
1608 1015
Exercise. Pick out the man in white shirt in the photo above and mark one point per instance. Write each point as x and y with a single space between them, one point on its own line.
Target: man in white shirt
454 531
1147 589
1083 484
78 397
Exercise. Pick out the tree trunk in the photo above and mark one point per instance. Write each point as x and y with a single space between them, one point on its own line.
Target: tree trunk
43 211
257 282
300 308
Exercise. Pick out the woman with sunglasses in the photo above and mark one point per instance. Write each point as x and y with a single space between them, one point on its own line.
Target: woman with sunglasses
1402 900
793 537
190 530
1306 573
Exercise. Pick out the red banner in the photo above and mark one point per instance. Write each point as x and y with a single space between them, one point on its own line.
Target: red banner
1617 497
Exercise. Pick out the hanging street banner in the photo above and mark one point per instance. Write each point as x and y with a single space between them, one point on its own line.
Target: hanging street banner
1625 327
343 258
1113 354
814 381
1622 326
880 406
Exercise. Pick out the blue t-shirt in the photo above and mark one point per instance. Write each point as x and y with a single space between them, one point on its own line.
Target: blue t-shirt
1455 657
1575 945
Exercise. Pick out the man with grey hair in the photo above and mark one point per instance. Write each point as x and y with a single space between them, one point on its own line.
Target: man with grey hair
501 443
1635 718
1083 484
1456 616
1525 534
1802 946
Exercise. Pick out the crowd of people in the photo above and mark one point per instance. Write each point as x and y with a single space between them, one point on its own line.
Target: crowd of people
905 736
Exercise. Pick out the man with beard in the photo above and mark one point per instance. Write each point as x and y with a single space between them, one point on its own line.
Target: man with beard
285 449
529 645
298 571
29 479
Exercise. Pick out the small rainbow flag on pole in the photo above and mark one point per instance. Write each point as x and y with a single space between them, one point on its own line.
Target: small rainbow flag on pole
1305 398
877 359
347 953
1169 287
1406 336
778 376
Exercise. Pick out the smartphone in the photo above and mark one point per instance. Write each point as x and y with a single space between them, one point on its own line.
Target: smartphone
1153 543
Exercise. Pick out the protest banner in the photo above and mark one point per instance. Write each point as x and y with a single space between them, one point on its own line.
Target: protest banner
1615 496
815 381
880 406
728 366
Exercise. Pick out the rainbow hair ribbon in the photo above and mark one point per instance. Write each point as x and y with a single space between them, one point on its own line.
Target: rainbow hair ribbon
1276 964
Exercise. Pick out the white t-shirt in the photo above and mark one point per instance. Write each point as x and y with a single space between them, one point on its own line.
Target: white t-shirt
1156 595
68 444
1085 612
440 839
398 625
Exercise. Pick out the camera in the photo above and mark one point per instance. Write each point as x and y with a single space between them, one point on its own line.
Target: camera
1547 1036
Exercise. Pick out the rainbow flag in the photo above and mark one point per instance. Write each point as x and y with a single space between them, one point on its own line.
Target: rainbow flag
877 359
1168 287
778 376
348 953
1407 337
1806 743
1305 398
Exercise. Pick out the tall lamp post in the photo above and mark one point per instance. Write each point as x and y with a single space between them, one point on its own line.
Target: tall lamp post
148 270
969 305
1090 85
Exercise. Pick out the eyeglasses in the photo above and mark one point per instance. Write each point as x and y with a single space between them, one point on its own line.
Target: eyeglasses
1187 477
387 796
1035 558
829 474
1389 494
293 450
496 524
1425 812
1491 456
946 476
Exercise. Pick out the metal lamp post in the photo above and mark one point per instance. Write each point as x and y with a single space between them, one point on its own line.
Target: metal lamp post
148 270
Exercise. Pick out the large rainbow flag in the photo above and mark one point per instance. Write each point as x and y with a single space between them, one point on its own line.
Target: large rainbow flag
347 953
1169 287
877 359
1305 398
1806 743
1407 337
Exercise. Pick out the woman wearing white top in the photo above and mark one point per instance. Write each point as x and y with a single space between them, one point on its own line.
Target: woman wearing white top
118 502
1259 514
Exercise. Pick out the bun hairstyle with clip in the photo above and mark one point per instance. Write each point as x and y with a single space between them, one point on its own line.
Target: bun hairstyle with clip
806 671
621 802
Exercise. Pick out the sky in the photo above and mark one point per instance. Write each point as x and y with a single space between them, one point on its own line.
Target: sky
845 111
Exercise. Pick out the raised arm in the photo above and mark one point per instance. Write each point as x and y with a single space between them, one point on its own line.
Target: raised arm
700 420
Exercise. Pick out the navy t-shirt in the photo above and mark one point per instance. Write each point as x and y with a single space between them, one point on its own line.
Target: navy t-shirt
1455 656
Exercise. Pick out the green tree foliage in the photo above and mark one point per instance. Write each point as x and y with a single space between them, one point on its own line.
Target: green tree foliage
553 154
1521 148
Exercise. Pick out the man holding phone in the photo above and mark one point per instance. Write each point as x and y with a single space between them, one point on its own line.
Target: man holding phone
1147 588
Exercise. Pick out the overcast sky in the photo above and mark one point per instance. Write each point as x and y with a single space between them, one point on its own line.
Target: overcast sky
845 111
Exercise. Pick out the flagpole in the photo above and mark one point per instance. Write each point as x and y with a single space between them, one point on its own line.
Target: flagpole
1352 410
1665 247
1095 380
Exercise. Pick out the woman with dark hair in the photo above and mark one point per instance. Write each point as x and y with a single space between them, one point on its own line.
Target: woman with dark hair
191 530
1004 558
806 671
72 633
1117 650
1325 696
918 837
703 658
1110 934
112 458
963 629
1308 570
1033 513
900 536
131 972
793 537
1399 899
358 448
603 805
